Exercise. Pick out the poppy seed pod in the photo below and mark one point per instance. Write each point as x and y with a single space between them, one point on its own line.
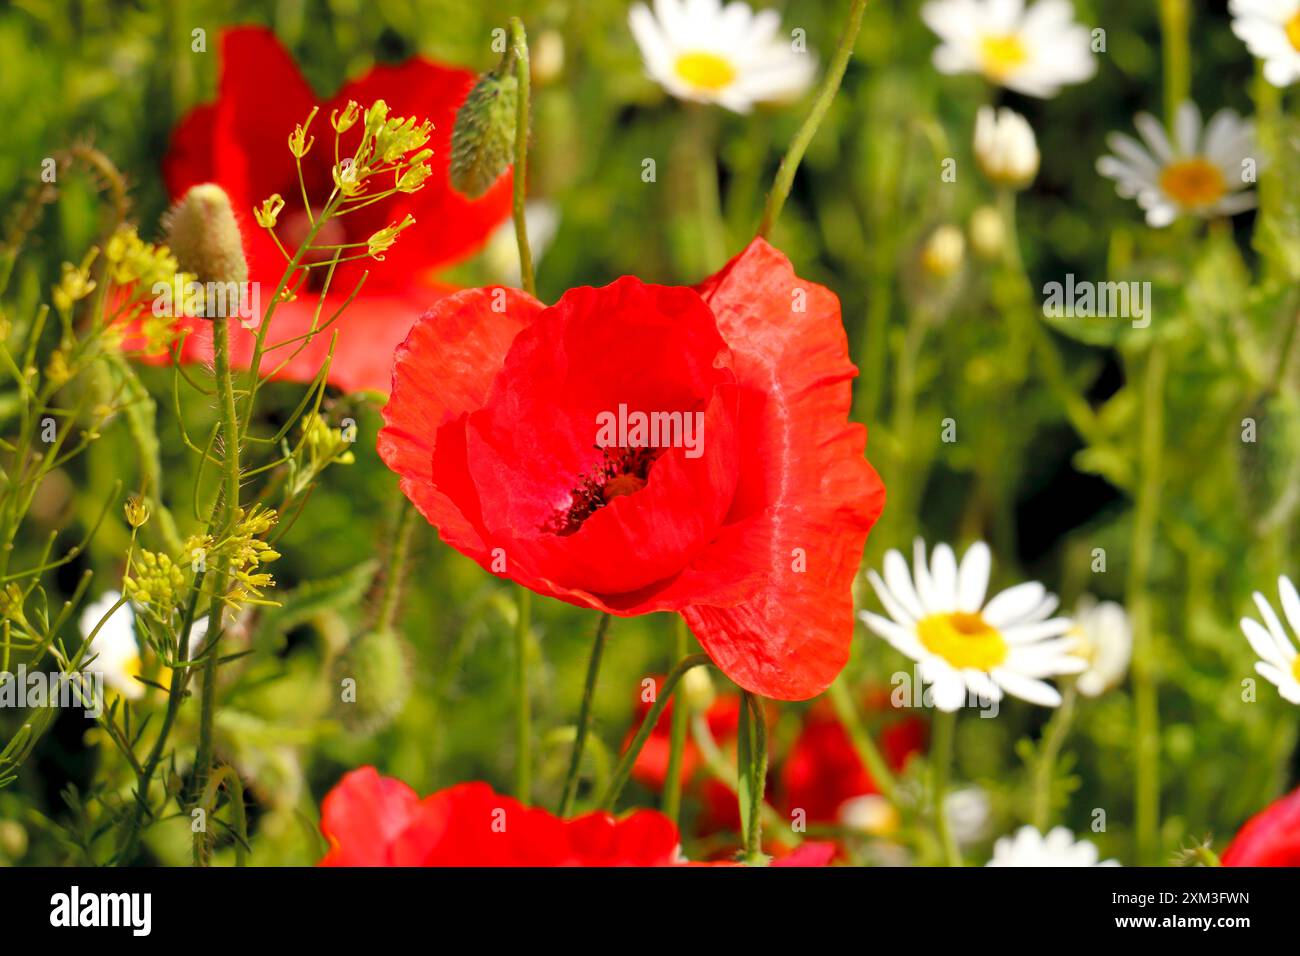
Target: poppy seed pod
483 139
204 235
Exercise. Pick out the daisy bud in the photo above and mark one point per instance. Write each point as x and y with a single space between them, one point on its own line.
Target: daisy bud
270 211
136 510
482 141
943 252
987 233
697 690
1005 148
547 56
204 236
342 122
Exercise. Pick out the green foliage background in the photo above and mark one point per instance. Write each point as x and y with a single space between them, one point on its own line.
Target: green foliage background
869 192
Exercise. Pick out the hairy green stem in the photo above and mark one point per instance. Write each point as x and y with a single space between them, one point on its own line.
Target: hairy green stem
825 94
389 598
570 792
751 769
523 107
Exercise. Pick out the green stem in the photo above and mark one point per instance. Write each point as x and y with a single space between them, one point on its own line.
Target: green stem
209 803
570 792
864 746
672 804
1058 728
941 748
397 566
799 145
230 507
519 54
523 714
1146 771
1175 23
751 768
624 769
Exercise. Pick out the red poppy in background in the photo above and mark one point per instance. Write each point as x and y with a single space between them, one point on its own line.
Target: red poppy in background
823 769
492 426
1269 838
240 142
371 820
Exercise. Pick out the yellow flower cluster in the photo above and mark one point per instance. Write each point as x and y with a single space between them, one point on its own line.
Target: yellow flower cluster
154 581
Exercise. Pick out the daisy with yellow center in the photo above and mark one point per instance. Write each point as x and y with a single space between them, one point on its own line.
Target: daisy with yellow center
1279 663
1202 171
1034 51
1104 638
702 51
967 649
1271 31
1029 847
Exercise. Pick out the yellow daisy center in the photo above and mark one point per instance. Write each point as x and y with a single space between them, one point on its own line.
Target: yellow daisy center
1002 54
1293 30
1193 183
963 640
1295 666
705 71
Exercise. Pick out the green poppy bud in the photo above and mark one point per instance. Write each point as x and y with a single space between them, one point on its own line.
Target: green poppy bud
483 139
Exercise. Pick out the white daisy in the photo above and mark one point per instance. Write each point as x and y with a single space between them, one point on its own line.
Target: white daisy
699 50
938 617
1271 31
117 655
1202 172
1034 51
1005 148
1279 663
1059 848
969 811
1105 641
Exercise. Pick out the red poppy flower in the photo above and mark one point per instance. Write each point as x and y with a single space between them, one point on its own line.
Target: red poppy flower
1269 838
823 769
371 820
240 142
754 536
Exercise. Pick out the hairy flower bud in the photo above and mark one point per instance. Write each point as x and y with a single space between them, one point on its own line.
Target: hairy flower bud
204 236
483 139
377 664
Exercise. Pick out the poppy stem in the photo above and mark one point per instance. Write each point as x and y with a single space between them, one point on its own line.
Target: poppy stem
624 769
519 55
672 804
866 748
751 769
392 587
799 145
570 791
523 715
945 726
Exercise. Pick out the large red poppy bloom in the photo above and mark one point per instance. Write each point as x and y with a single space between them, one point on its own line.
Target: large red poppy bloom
240 142
493 428
1269 838
371 820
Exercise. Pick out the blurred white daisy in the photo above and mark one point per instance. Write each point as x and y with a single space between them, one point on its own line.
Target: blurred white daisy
1105 641
117 655
699 50
502 251
1202 172
1271 31
1279 663
938 617
1005 148
969 811
1034 51
1059 848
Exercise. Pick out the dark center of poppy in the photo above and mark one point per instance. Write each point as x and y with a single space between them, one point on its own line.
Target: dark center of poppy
623 471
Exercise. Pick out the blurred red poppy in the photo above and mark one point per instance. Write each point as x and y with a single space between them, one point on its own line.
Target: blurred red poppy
1269 838
823 769
240 142
754 535
371 820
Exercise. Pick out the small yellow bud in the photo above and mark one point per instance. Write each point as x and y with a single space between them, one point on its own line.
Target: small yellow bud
383 240
342 122
299 144
943 252
267 215
136 510
987 233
